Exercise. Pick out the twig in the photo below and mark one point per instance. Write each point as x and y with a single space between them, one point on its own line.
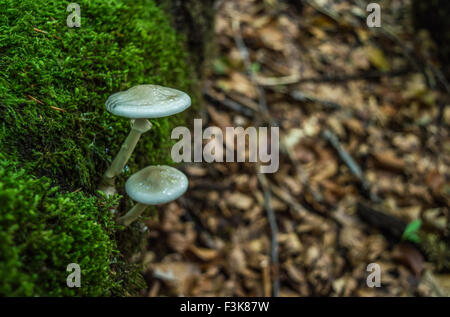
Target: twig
35 99
300 96
58 109
277 81
369 75
261 115
41 103
231 104
324 11
296 79
350 162
299 210
40 31
248 66
243 100
274 233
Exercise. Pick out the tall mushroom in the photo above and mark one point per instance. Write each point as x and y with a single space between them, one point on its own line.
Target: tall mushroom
153 185
140 103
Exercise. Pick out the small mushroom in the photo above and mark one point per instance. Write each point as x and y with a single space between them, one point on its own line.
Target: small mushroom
140 103
153 185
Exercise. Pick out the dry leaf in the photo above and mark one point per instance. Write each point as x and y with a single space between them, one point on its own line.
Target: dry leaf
387 159
409 256
179 276
196 170
203 254
291 242
236 260
377 58
272 37
239 200
239 83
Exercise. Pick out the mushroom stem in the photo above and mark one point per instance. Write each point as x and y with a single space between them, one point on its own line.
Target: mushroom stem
132 214
138 127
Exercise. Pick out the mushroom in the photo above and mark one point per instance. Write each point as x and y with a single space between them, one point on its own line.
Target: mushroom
140 103
153 185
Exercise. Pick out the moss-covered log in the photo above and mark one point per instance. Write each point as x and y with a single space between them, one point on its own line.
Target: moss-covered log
56 139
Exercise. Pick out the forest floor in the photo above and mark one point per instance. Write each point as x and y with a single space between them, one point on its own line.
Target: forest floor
364 155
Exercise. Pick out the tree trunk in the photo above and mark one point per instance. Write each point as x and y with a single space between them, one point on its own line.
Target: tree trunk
195 20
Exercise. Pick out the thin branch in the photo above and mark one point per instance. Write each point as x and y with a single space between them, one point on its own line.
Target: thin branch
274 233
296 79
369 75
278 81
248 66
228 103
350 162
300 96
299 210
261 115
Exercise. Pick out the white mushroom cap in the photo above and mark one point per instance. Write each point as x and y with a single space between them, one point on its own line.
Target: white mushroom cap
147 101
156 184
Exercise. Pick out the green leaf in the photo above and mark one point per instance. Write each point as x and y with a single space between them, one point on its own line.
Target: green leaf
411 231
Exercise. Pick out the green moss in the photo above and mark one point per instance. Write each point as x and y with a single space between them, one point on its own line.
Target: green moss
437 250
54 81
117 46
42 231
